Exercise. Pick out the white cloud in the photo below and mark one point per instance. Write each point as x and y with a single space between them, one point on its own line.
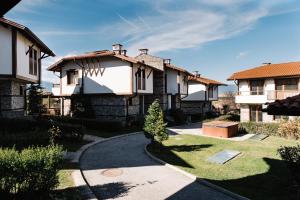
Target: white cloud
241 54
191 25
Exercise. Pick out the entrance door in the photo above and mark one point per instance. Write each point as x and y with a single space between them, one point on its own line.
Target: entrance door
256 113
173 102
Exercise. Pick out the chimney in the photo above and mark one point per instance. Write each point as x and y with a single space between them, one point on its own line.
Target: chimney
123 52
167 61
143 51
196 74
117 48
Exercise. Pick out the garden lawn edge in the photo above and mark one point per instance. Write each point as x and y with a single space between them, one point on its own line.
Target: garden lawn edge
195 178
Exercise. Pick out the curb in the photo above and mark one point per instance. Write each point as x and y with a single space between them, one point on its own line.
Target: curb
195 178
81 180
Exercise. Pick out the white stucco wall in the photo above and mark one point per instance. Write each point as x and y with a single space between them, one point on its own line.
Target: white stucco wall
117 78
172 87
196 91
183 81
149 79
5 51
23 45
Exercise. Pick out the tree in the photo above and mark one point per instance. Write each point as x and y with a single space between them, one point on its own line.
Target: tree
35 99
154 126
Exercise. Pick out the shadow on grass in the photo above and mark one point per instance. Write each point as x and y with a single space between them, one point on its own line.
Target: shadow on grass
183 148
166 153
276 183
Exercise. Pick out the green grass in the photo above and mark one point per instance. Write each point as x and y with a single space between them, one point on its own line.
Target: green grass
66 188
257 173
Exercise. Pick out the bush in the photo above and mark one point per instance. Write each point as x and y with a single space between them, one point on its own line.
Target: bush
259 128
289 129
32 171
154 126
291 155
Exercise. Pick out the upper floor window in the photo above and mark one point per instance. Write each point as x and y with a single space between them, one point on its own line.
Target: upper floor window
33 62
287 84
210 92
257 87
141 79
72 77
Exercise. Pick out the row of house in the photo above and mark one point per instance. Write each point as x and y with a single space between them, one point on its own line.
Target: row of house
121 88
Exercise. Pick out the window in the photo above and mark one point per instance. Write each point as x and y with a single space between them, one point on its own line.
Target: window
287 84
256 113
141 79
257 87
21 90
72 77
33 62
210 92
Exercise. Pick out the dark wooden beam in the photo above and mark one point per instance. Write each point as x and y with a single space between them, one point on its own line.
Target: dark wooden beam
14 53
30 48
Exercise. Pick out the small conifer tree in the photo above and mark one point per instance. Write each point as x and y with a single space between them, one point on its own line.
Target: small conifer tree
154 126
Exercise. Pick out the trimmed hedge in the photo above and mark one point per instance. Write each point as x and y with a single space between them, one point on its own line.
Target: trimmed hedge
259 128
31 172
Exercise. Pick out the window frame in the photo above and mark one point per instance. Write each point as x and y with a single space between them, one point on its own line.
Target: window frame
33 62
258 91
72 80
141 79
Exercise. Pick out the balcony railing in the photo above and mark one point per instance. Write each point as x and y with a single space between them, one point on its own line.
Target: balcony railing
279 94
247 93
56 85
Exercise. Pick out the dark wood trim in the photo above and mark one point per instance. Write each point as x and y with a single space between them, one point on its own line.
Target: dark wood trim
14 52
39 69
6 76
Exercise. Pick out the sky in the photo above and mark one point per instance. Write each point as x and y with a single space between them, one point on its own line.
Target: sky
214 37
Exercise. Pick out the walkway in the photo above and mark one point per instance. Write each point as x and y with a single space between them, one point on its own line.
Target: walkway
120 169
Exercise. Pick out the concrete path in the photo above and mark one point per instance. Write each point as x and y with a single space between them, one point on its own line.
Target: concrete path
120 169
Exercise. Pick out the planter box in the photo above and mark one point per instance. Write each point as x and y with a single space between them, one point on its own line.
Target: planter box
220 129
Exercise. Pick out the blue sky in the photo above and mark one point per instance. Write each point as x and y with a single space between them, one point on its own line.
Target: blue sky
215 37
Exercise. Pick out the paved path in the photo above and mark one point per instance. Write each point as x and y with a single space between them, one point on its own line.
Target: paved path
120 169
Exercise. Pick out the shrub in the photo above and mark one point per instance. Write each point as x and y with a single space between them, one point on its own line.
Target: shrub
261 128
35 106
291 155
32 171
154 126
289 129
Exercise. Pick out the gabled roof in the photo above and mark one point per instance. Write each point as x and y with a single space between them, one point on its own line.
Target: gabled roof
269 71
27 33
289 106
95 54
6 5
204 80
180 69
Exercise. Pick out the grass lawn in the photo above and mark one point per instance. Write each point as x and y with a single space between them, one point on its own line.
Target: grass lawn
66 188
257 173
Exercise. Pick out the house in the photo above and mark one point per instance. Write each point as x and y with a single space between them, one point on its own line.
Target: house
170 81
115 86
21 53
201 93
265 84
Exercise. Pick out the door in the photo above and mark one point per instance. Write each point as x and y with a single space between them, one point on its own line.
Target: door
256 113
173 102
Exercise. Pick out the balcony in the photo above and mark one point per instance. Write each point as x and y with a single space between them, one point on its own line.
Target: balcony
251 97
279 94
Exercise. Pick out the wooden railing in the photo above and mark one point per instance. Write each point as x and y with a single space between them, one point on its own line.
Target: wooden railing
247 93
279 94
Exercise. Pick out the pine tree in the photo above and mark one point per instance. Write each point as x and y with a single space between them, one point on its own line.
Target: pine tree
35 105
154 126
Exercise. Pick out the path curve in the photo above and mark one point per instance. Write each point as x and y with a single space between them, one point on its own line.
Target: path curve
120 169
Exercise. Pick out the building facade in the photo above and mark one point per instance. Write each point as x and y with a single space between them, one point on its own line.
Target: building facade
201 93
21 53
114 84
265 84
